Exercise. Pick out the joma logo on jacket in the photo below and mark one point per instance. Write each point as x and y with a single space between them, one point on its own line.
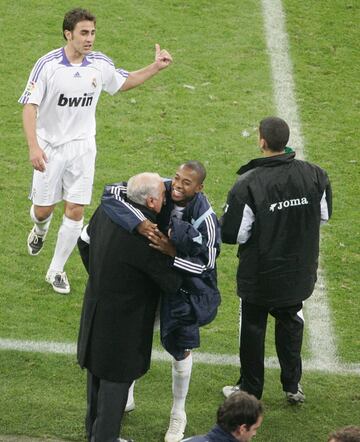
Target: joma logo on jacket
288 203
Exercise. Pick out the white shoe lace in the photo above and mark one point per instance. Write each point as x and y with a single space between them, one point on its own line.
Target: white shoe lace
177 425
36 236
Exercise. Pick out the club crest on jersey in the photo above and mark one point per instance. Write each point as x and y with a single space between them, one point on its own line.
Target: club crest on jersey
288 203
83 101
94 83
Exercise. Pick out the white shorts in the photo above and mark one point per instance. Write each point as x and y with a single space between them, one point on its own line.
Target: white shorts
69 173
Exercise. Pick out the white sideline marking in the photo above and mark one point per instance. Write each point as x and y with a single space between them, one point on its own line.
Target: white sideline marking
317 312
162 356
282 72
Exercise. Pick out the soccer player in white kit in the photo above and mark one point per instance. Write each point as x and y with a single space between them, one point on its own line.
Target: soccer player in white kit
59 123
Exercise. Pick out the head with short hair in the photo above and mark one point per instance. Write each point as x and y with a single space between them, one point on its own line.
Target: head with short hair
147 189
198 168
346 434
73 17
275 132
188 181
239 409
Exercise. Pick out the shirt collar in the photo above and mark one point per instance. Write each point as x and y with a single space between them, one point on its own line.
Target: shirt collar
65 61
274 161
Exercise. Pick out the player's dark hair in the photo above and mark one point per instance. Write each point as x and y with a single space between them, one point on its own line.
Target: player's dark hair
198 167
238 409
74 16
275 131
346 434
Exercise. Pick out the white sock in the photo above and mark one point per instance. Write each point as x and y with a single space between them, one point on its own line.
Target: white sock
181 374
41 227
130 398
68 235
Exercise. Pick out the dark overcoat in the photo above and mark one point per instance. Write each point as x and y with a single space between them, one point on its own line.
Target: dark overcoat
126 278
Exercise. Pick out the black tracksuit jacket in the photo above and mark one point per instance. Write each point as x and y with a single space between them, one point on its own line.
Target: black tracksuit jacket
274 212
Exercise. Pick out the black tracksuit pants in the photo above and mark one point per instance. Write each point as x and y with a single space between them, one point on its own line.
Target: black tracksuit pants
289 327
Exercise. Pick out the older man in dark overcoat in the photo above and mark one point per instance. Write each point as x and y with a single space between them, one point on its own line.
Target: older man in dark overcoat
126 278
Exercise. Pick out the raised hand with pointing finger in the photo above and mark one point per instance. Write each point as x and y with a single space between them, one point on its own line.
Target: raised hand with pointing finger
162 60
162 57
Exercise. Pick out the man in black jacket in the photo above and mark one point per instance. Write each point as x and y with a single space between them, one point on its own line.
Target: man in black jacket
194 241
238 420
126 277
274 212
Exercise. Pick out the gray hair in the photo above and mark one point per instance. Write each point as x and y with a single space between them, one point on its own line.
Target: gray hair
143 185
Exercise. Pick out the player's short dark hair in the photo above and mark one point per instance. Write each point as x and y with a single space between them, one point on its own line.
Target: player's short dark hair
74 16
346 434
198 167
275 131
238 409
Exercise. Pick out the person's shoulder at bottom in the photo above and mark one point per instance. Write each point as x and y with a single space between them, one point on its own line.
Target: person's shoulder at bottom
216 434
196 439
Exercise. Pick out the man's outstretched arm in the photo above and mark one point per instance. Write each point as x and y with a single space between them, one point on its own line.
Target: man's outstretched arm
162 60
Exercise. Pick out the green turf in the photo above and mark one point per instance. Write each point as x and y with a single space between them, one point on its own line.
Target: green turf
50 401
166 125
323 38
219 50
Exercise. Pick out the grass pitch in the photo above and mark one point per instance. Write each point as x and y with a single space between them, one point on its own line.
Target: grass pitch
220 52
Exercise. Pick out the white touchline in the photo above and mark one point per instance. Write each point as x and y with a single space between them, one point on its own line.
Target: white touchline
317 312
65 348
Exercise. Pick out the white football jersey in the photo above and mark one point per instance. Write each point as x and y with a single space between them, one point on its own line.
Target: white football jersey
67 94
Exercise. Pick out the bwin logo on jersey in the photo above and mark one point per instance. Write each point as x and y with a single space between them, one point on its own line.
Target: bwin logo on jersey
85 100
289 203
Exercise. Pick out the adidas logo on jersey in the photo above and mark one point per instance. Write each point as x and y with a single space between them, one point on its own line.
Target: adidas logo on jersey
85 100
288 203
77 75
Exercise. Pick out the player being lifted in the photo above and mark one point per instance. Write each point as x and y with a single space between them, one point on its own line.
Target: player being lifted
59 123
